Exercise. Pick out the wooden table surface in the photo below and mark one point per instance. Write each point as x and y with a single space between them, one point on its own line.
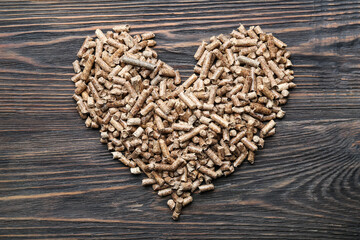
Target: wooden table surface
57 181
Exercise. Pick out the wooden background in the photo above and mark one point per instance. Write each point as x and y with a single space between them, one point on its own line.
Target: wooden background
58 182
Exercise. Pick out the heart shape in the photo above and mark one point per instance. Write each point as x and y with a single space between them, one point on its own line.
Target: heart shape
182 135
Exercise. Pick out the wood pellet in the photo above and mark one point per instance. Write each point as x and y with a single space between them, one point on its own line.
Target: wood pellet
182 135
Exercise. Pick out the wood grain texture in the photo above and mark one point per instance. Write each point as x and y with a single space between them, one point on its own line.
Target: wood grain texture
57 181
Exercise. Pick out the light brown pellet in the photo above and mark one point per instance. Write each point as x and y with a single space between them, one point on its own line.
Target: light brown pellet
205 188
101 35
139 63
246 42
200 50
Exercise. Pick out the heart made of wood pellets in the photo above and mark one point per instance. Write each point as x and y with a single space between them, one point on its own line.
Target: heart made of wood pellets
182 134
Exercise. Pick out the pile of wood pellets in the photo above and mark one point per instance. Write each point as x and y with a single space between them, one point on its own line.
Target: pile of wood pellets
182 134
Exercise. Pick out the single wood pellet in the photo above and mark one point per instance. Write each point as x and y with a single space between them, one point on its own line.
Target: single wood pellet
182 135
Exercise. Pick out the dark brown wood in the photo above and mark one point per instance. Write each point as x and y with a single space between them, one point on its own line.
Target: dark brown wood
57 181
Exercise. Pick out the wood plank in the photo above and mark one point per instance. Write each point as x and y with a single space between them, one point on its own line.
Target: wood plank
57 181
